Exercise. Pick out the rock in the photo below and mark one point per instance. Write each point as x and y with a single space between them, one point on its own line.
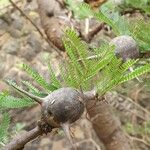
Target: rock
28 53
30 5
10 61
2 66
12 74
34 41
3 86
3 27
14 32
17 21
12 46
45 144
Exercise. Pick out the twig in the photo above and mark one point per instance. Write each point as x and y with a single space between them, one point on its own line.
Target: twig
95 31
139 140
89 140
35 98
89 36
145 54
19 142
138 106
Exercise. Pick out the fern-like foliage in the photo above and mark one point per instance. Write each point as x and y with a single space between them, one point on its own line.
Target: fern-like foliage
7 101
140 30
137 28
83 10
33 89
4 124
38 78
13 102
118 23
53 79
113 73
143 5
137 72
81 71
76 49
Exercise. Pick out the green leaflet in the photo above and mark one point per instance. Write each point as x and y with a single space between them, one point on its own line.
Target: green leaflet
38 78
13 102
31 87
4 127
140 31
7 101
80 71
53 77
137 72
78 10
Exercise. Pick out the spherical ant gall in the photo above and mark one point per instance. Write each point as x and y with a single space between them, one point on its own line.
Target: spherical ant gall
126 47
64 104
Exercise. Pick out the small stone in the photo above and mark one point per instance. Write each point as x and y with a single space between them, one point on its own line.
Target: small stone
44 142
3 25
12 46
3 86
28 53
17 22
14 32
12 74
2 67
34 41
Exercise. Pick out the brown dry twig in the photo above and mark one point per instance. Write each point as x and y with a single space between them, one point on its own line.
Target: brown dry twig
19 142
88 37
95 31
139 140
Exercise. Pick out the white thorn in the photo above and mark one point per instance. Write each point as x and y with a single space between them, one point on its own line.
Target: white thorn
87 26
131 70
66 129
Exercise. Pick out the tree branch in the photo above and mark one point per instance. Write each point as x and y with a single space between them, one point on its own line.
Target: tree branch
19 142
107 126
95 31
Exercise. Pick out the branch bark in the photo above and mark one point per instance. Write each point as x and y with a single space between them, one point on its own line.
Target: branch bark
19 142
107 126
52 23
